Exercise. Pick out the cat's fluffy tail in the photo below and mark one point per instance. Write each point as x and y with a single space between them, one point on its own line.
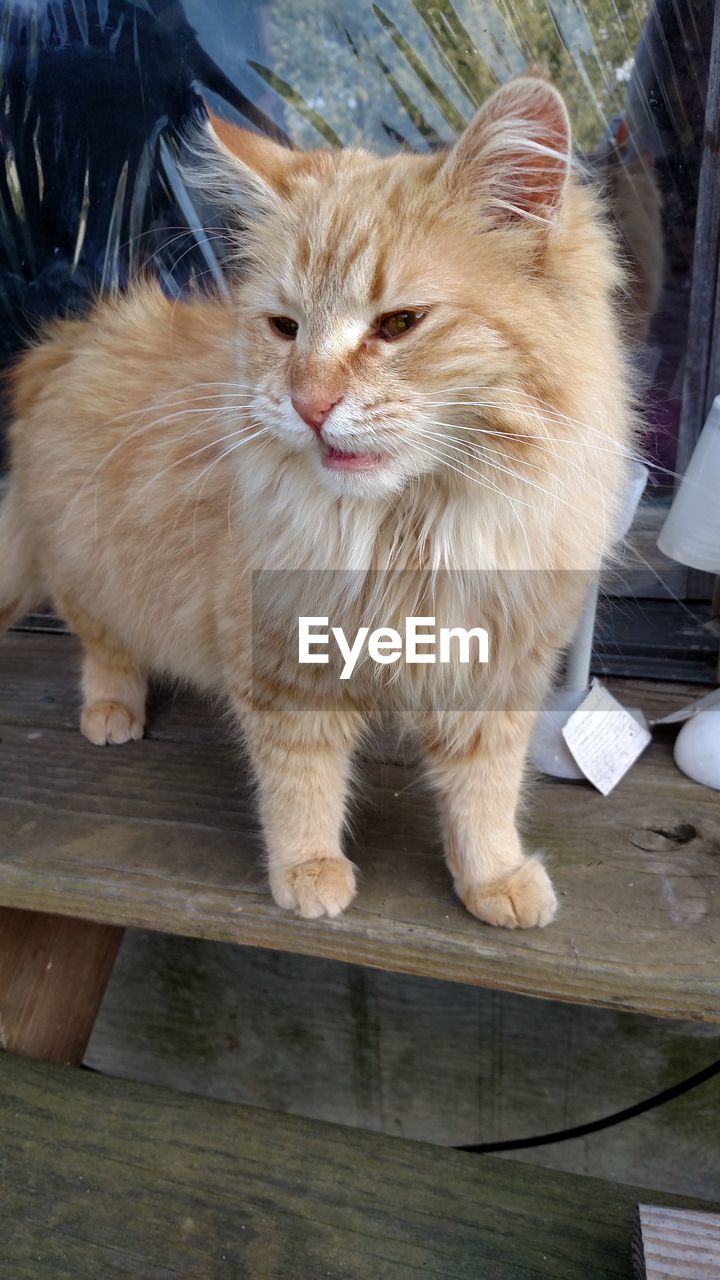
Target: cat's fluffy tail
18 581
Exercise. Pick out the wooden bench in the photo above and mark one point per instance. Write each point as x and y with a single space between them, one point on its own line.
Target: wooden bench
108 1178
162 835
104 1178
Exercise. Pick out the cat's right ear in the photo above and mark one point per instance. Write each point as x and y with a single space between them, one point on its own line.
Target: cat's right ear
240 171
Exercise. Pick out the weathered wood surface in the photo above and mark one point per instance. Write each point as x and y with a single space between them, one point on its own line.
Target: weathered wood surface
412 1057
103 1178
162 835
53 973
676 1244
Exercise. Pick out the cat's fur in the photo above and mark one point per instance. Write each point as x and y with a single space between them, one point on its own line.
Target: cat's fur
157 459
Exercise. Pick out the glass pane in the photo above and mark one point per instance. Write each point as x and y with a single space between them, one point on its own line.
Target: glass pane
96 94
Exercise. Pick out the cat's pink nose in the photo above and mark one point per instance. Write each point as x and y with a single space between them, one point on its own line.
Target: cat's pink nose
313 409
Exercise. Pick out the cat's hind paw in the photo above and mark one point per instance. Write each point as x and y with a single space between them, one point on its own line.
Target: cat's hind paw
523 900
319 887
104 722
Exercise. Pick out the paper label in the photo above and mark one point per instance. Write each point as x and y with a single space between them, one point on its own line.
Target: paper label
605 738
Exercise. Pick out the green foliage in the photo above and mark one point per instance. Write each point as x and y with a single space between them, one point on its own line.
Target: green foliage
414 70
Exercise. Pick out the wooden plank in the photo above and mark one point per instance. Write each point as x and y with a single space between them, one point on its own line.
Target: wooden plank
102 1177
428 1060
676 1244
40 686
162 835
40 682
53 973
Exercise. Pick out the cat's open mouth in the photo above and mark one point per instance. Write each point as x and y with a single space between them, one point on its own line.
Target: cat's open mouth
337 460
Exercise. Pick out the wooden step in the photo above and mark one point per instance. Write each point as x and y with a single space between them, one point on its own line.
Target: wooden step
105 1178
162 835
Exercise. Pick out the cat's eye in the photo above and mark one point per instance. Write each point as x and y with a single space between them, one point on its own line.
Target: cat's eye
284 325
397 323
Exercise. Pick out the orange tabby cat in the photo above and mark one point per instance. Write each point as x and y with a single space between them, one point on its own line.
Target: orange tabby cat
418 369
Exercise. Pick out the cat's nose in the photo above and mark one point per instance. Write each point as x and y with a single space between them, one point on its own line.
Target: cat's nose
313 409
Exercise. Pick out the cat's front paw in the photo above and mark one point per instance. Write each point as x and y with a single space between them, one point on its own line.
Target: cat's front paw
319 887
104 722
523 900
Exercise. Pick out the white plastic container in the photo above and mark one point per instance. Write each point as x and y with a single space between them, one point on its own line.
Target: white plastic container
691 533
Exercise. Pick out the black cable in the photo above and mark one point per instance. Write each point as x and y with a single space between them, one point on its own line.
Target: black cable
594 1126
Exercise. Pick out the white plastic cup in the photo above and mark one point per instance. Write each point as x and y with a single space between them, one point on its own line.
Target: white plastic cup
691 533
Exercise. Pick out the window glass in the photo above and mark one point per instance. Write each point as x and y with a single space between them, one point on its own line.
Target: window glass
95 96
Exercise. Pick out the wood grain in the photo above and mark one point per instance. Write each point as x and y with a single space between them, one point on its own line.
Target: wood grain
53 973
162 835
103 1178
412 1057
676 1244
39 687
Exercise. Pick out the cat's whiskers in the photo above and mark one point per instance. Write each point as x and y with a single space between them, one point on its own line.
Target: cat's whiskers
259 431
180 398
195 453
93 476
207 236
188 485
525 462
549 411
207 271
186 402
572 441
505 470
213 412
479 453
187 457
527 437
532 410
539 408
647 564
183 403
183 230
236 477
458 453
482 481
468 472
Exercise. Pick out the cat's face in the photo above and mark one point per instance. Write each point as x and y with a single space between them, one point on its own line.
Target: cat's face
356 326
375 313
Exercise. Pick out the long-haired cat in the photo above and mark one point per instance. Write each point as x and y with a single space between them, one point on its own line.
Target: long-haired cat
418 371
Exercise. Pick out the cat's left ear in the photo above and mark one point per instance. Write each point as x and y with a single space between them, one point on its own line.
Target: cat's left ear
514 157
